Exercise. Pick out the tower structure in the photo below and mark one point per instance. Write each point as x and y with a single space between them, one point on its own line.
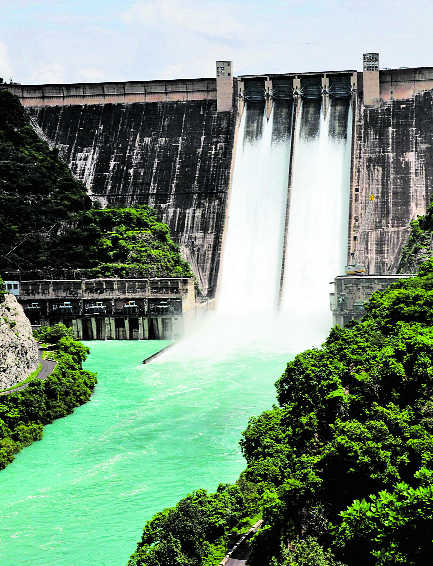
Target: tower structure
224 81
371 85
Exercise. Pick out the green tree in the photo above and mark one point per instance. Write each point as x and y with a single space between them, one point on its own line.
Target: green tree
391 528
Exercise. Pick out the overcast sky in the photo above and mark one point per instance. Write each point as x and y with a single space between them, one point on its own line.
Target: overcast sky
95 40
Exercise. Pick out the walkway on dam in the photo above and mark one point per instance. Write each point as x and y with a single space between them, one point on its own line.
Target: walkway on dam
47 368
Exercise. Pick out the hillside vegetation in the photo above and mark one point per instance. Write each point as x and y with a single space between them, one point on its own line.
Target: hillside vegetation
341 471
118 242
47 222
24 413
37 189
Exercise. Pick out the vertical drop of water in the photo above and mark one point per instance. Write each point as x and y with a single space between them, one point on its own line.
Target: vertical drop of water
318 220
252 251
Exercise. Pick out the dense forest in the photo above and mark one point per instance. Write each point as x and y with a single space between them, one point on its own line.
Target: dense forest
37 190
47 221
23 413
341 471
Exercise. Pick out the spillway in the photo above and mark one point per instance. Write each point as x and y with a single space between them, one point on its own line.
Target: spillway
255 277
316 249
249 285
286 230
253 247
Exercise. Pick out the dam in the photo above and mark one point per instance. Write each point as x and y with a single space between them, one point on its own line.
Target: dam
271 189
344 154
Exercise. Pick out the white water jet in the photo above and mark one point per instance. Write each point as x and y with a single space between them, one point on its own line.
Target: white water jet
316 248
252 254
249 285
246 319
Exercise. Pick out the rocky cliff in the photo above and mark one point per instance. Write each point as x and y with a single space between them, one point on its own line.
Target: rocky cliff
18 348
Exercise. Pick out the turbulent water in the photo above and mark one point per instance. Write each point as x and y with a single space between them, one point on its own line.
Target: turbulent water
316 249
251 266
150 434
315 230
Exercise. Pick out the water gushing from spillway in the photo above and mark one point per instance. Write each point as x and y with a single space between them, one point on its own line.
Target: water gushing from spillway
316 249
251 263
251 285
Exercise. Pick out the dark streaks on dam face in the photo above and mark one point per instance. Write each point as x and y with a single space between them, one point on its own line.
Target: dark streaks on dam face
254 120
283 118
174 156
393 177
310 119
338 116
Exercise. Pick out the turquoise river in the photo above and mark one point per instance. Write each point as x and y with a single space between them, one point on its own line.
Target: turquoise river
150 435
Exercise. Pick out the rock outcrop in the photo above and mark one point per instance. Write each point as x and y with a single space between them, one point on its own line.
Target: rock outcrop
18 348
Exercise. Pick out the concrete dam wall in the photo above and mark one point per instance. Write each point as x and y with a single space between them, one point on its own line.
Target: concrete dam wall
392 178
170 144
174 156
163 143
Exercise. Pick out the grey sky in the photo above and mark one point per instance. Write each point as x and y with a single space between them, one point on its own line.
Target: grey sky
96 40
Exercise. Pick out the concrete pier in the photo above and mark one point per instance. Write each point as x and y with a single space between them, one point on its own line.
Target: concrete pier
371 84
224 85
351 292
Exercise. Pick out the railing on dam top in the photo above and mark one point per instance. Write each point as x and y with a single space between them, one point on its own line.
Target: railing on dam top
132 91
110 288
52 308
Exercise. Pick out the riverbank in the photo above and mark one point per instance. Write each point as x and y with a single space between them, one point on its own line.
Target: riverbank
43 371
63 386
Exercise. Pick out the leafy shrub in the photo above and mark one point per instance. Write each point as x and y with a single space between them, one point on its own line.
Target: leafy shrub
186 534
119 242
390 528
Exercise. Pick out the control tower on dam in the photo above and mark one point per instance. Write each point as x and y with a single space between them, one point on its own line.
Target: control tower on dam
173 144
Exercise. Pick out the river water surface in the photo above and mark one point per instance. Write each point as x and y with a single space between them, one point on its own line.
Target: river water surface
150 435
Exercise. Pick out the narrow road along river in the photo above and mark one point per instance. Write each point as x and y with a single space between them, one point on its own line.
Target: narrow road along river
150 434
